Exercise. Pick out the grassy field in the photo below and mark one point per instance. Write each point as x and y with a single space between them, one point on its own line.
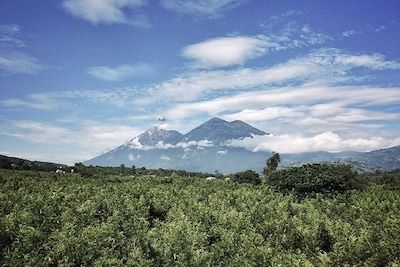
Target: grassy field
49 219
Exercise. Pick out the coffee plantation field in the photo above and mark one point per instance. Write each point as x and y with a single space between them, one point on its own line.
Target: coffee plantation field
49 219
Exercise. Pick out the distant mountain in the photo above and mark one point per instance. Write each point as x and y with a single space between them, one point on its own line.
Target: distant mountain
205 149
155 135
202 149
386 159
218 131
318 156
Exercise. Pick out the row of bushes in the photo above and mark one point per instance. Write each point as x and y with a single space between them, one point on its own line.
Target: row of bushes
314 178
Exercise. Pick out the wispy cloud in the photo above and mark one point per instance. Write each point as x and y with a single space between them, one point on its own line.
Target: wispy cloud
90 136
8 36
17 103
9 28
108 11
16 62
349 33
12 60
117 97
210 8
305 95
329 66
381 28
120 72
289 33
373 61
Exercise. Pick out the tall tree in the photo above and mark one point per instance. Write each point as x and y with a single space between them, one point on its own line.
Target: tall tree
272 163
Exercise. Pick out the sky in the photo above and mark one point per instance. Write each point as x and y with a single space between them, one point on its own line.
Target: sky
80 77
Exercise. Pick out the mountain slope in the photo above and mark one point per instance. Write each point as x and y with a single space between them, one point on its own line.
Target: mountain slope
155 135
387 159
218 130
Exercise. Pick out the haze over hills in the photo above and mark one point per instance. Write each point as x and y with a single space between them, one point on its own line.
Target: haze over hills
387 159
206 149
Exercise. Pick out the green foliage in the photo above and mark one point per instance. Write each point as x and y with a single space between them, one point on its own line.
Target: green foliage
272 163
144 220
314 178
389 180
248 176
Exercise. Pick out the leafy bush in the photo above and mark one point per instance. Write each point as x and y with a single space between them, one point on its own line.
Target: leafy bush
314 178
248 176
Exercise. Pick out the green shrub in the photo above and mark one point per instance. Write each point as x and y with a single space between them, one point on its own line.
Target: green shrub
389 180
248 176
314 178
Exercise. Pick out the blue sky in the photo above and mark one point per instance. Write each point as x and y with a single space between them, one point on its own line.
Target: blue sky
79 77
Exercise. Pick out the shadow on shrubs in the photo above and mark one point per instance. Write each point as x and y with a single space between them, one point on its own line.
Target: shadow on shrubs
248 176
315 178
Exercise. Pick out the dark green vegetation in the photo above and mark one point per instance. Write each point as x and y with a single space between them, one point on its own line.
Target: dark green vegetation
145 219
272 163
315 178
24 164
248 176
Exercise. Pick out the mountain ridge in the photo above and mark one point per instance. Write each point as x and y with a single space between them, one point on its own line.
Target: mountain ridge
205 149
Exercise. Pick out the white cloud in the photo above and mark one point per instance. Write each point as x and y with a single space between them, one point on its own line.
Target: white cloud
7 36
326 141
13 62
190 86
236 50
263 114
374 61
302 95
118 73
107 11
117 97
135 144
164 157
225 51
349 33
89 136
331 66
211 8
16 103
333 111
222 152
292 34
34 101
9 28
